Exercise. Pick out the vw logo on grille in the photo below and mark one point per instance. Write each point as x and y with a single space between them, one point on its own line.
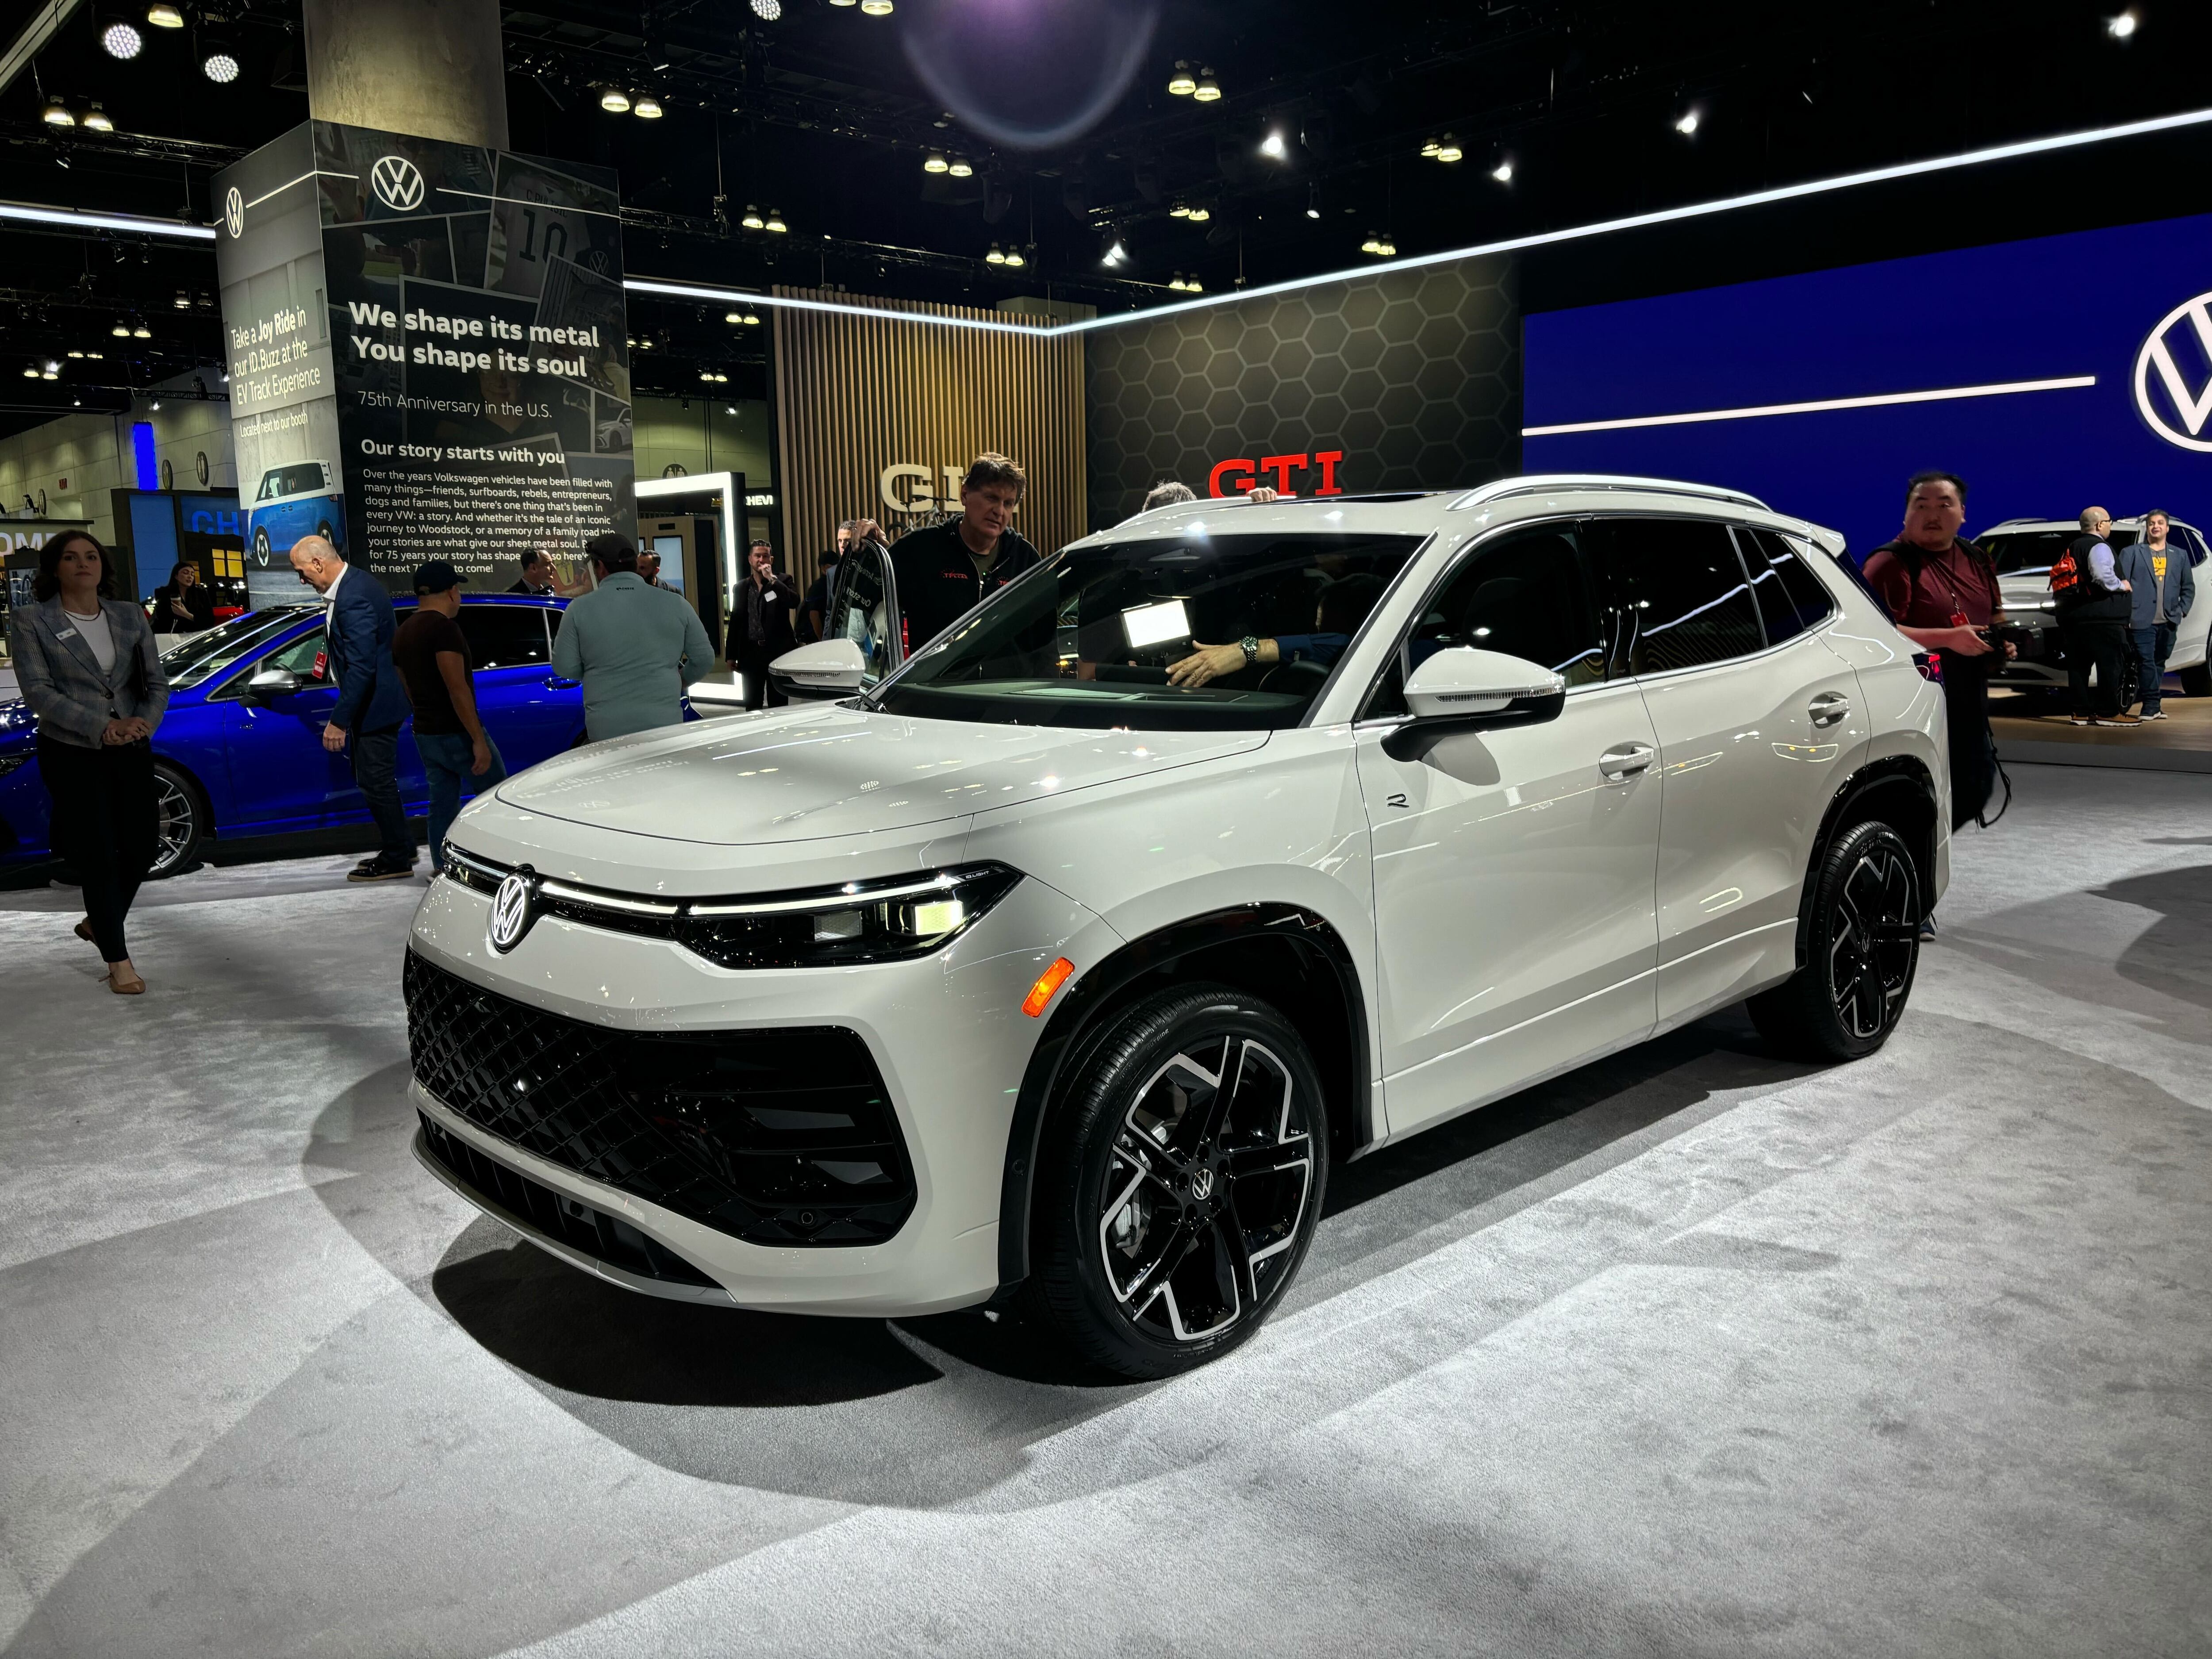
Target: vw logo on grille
397 182
1201 1184
512 912
233 213
2179 417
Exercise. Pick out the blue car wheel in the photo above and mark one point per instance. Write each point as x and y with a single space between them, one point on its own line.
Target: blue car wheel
181 821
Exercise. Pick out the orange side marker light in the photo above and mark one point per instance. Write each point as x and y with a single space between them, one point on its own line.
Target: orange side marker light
1047 982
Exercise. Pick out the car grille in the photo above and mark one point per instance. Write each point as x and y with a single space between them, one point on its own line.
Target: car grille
572 1222
779 1137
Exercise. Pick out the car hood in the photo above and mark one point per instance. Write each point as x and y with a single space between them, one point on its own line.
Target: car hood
18 724
822 770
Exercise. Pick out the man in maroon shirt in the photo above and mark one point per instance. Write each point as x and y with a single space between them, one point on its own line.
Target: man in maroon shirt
1940 590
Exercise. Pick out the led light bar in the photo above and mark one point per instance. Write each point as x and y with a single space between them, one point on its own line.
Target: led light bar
77 219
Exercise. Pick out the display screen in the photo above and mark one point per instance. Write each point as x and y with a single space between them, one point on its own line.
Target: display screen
2053 374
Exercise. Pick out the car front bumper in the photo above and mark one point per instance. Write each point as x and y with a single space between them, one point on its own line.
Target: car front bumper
946 1035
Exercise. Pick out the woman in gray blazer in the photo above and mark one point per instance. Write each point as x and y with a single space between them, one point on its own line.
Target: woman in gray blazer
88 669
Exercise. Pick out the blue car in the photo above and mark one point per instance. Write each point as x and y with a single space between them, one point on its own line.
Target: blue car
300 498
241 752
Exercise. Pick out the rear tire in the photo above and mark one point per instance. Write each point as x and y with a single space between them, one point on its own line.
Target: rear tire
1861 949
1181 1181
180 821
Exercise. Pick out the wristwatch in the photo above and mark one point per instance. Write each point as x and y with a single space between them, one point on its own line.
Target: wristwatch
1251 647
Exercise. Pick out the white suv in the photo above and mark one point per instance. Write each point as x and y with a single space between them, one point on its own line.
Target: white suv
1028 972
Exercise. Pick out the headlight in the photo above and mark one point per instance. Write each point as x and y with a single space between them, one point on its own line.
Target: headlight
886 919
861 922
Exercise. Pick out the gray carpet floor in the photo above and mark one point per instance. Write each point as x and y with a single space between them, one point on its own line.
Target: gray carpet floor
1692 1352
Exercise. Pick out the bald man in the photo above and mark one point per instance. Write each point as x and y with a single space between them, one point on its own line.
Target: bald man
372 699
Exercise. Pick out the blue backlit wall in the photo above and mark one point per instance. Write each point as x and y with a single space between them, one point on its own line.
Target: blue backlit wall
2016 365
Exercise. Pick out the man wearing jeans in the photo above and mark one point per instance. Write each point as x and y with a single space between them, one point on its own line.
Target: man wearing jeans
432 655
371 706
2158 613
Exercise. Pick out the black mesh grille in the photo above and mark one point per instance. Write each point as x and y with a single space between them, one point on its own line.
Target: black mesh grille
777 1137
604 1238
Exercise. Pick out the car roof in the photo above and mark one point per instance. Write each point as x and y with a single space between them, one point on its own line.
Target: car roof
2013 526
1526 495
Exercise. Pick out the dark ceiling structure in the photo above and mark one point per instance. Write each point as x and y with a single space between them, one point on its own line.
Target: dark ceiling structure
902 146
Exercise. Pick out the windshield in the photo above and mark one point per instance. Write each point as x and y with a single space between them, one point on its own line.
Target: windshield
1089 638
205 655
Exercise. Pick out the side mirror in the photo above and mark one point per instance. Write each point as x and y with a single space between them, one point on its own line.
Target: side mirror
826 669
1464 689
273 682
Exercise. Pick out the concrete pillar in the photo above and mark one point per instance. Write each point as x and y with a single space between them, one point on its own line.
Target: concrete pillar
432 68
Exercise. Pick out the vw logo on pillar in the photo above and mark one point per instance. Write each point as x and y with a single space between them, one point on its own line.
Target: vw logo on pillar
513 911
2173 375
397 183
234 213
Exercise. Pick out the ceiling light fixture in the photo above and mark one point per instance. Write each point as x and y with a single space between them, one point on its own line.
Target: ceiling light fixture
155 407
1503 171
121 331
734 316
165 17
1180 210
74 352
2122 26
1273 147
997 256
56 113
1117 252
935 162
51 372
768 10
140 331
1208 89
1449 150
1180 84
614 100
121 40
184 300
751 320
218 63
1429 150
875 8
961 168
752 219
1015 258
1199 215
648 107
96 119
1687 123
844 2
774 222
30 371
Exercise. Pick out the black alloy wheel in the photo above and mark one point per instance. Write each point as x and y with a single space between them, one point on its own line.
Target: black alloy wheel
180 821
1862 947
1182 1182
261 547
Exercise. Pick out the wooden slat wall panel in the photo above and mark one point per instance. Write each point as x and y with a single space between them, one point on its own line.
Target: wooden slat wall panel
856 394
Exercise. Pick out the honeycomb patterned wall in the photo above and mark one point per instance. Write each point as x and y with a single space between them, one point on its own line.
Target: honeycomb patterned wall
1415 375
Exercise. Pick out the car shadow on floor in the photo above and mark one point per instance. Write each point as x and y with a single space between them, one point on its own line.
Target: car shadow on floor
2168 956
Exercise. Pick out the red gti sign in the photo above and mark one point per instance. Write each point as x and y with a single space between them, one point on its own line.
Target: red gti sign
1236 477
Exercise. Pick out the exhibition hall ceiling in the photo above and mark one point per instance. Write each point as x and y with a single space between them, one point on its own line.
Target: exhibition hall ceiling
901 148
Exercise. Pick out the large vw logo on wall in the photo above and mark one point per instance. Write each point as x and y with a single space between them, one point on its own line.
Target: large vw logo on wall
233 213
512 912
2173 375
397 182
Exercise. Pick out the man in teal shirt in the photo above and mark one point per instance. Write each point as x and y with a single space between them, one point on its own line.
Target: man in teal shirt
634 646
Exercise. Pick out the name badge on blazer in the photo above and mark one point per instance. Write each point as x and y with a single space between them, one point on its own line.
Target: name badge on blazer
66 634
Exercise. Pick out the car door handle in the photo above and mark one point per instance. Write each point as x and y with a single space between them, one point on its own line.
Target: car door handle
1627 761
1828 707
557 683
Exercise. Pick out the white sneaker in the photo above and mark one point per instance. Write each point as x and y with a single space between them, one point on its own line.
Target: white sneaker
2155 715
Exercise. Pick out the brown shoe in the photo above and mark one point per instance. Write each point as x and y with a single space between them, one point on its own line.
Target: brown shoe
84 931
2122 720
125 983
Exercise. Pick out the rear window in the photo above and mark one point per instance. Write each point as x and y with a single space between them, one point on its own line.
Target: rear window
2017 551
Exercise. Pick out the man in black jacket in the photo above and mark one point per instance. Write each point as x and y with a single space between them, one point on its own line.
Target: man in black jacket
2093 620
945 570
762 615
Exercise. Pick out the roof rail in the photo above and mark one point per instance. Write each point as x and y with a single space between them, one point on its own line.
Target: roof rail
1548 483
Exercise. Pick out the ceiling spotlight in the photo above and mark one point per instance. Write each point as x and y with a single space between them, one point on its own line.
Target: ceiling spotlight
30 371
768 10
707 375
1117 252
875 8
935 162
121 40
2119 29
752 219
51 372
140 331
1192 285
121 331
1273 146
1449 149
1014 257
962 167
1207 88
614 100
1180 84
997 256
774 221
183 302
1687 122
1180 210
1503 171
648 107
734 316
844 2
56 113
96 119
156 406
74 352
729 409
165 17
1429 150
751 320
1199 215
218 63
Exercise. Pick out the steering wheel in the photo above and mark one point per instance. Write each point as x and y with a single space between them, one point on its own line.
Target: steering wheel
1298 677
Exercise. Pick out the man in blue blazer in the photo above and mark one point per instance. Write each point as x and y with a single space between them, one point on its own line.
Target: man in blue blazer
372 700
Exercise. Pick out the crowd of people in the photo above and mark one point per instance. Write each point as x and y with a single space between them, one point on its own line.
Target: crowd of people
91 670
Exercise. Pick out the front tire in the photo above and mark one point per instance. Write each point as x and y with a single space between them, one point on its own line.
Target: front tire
1181 1181
1861 949
180 821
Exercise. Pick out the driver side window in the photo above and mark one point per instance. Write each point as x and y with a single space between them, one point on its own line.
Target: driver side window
1526 594
305 657
859 613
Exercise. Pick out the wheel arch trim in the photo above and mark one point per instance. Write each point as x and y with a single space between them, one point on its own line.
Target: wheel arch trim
1884 775
1080 1016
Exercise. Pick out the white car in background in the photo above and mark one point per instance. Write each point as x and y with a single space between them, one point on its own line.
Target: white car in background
1026 973
2024 550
